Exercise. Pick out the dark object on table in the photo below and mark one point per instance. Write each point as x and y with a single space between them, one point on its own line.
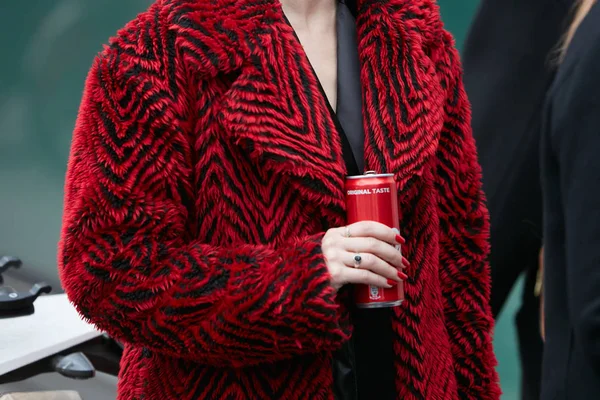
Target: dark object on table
13 303
7 262
79 362
101 354
75 366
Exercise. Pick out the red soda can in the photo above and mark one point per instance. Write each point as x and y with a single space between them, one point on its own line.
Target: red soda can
374 197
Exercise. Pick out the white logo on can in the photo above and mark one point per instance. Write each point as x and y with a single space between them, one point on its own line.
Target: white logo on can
374 293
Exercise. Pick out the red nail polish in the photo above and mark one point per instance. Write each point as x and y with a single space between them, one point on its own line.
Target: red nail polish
405 262
391 282
400 239
402 275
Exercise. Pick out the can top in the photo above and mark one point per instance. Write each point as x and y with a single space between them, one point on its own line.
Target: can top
369 174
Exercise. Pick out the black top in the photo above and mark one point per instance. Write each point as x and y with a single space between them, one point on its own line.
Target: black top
349 95
570 171
508 71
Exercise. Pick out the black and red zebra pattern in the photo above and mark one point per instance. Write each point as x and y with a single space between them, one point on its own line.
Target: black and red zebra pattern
204 169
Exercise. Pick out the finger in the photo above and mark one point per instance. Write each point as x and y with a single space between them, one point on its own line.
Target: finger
374 264
374 246
376 230
343 231
365 277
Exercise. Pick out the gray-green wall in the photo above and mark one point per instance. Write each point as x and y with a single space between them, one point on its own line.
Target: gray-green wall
47 47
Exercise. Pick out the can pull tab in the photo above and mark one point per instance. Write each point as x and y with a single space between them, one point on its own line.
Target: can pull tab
371 173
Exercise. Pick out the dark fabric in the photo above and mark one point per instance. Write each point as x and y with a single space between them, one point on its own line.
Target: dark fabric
374 354
349 97
529 342
571 190
344 373
507 75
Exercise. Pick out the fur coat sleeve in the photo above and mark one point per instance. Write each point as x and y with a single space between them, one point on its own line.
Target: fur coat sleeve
127 259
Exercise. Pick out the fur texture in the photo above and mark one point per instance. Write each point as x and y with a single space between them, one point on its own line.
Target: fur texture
204 168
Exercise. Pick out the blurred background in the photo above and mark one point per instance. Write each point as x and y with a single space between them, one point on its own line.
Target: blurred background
48 46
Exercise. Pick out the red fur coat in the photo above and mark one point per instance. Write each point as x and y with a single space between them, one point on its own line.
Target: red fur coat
204 169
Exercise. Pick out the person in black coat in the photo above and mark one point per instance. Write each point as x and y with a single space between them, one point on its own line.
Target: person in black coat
508 70
570 175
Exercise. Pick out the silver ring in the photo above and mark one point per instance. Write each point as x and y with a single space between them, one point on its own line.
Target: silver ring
357 260
347 233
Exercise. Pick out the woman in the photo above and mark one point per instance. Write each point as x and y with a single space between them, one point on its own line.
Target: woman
514 64
570 176
204 217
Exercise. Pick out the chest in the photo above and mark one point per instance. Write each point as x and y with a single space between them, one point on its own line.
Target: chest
319 46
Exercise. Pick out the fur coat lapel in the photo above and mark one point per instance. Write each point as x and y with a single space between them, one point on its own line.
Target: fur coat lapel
275 110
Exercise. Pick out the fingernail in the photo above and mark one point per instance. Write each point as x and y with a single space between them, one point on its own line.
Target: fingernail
400 239
402 275
391 282
405 262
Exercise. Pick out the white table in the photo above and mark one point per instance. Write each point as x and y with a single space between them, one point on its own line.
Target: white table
55 326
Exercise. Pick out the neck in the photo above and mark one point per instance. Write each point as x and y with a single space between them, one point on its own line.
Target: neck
308 9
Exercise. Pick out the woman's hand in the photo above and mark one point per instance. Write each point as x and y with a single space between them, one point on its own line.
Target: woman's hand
364 253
